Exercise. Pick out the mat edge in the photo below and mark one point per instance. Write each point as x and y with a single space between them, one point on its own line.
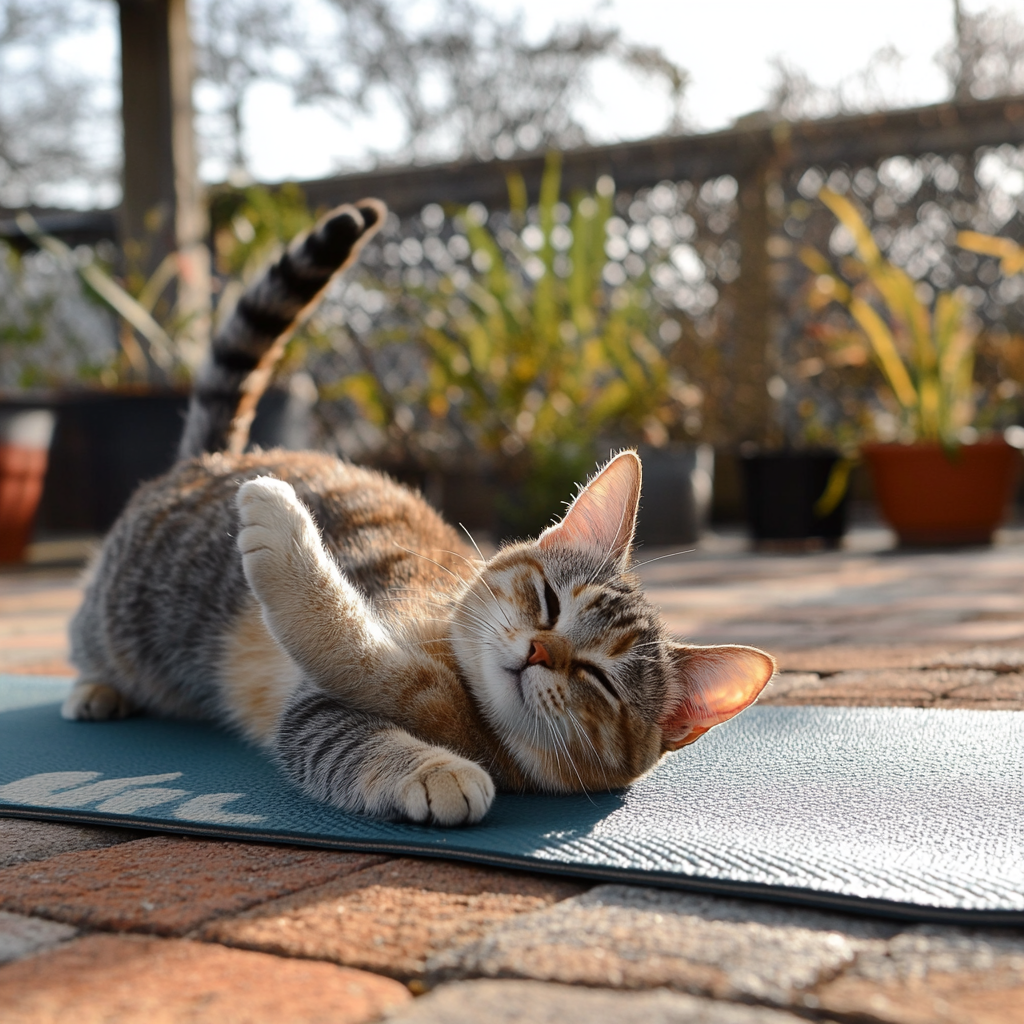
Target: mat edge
806 898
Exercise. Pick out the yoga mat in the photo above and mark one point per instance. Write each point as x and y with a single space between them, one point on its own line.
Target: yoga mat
904 812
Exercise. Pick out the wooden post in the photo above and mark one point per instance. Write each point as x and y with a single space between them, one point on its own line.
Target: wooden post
163 209
749 370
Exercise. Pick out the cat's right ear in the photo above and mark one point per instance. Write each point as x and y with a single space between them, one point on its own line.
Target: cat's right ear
602 519
708 686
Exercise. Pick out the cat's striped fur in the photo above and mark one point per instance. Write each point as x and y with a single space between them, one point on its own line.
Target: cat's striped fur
328 613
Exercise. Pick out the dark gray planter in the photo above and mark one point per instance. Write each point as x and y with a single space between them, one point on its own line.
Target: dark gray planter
675 502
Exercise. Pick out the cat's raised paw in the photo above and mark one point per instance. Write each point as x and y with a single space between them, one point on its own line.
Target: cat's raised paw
278 534
95 702
447 791
270 513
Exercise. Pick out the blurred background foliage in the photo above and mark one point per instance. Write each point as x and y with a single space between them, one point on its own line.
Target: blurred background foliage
491 335
924 345
532 360
826 385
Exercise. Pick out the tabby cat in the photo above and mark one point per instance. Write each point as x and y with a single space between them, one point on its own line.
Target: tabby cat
329 614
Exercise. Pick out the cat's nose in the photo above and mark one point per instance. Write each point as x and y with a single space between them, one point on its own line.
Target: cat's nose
538 655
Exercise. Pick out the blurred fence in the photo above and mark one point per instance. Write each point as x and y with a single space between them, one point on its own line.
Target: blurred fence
717 221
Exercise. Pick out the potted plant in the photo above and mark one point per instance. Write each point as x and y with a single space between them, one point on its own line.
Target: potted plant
941 482
120 407
535 365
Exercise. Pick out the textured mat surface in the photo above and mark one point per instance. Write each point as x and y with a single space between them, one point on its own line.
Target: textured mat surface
900 811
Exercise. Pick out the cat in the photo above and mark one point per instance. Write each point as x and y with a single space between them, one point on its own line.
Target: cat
328 614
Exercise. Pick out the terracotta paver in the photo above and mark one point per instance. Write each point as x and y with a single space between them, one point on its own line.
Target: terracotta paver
995 659
110 979
391 917
865 595
23 840
532 1002
166 885
35 607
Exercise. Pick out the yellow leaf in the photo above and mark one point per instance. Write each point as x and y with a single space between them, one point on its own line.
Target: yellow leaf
847 215
885 351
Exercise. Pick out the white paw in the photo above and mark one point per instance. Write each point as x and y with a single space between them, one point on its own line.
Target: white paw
95 702
278 536
270 513
446 790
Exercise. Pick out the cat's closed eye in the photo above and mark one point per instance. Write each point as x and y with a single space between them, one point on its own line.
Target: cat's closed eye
599 676
552 605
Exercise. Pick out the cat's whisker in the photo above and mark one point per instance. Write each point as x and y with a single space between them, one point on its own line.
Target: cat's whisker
458 554
468 584
441 566
658 558
497 603
473 542
469 589
562 742
590 743
474 616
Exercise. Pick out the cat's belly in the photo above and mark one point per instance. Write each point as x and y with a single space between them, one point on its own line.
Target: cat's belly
256 676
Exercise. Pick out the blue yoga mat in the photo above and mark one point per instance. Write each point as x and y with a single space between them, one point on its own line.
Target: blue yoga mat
903 812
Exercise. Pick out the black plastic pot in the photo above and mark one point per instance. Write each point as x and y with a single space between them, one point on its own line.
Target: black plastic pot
106 443
782 489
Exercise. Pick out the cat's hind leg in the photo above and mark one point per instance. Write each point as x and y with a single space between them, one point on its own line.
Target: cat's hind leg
93 701
367 764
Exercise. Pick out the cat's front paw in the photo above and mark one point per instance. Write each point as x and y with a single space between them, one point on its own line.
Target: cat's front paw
270 513
276 530
446 790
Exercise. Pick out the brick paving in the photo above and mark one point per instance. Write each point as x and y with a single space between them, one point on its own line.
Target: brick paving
101 924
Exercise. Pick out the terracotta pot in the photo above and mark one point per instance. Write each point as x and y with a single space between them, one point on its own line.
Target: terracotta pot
930 498
24 445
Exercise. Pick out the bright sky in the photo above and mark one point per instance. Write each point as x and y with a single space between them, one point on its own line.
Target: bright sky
726 45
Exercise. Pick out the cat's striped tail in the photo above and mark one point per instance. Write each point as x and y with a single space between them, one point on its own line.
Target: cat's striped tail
248 346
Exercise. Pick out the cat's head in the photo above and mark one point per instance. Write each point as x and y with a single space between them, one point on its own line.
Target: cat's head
571 664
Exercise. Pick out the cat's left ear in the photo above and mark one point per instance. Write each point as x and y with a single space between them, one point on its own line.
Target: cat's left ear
602 519
710 685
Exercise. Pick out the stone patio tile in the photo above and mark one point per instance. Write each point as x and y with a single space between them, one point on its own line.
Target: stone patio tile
931 975
843 657
620 936
1005 687
167 885
983 689
116 978
996 659
788 684
533 1002
948 688
21 936
22 840
391 917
